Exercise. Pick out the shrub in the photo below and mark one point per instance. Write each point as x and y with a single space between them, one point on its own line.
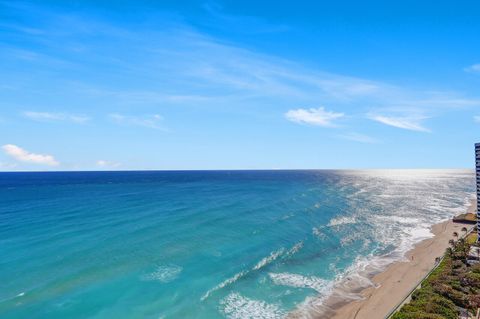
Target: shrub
451 285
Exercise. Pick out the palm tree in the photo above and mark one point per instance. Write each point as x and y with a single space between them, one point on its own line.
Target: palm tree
463 247
452 243
450 251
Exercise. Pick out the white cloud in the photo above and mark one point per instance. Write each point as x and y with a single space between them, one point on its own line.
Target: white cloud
107 164
47 116
312 116
357 137
476 118
412 123
22 155
150 121
474 68
196 69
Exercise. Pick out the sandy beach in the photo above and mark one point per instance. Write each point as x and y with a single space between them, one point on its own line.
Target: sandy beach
393 284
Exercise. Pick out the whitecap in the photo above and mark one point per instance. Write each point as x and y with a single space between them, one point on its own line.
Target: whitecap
262 263
295 249
299 281
287 216
224 283
344 220
317 232
267 260
163 273
236 306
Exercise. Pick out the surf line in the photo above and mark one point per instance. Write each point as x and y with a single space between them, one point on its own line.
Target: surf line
262 263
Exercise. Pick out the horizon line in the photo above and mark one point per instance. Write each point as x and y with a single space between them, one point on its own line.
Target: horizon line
233 169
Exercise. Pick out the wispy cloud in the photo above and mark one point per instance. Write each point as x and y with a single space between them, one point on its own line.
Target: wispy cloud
56 117
107 164
413 123
474 68
358 137
180 65
313 116
223 76
149 121
476 118
23 155
193 63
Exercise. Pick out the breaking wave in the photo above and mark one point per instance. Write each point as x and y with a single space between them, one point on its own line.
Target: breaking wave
259 265
236 306
299 281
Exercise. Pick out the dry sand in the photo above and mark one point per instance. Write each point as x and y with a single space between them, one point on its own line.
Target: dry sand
394 284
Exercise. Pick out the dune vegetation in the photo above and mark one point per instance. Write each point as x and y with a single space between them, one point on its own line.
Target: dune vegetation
453 287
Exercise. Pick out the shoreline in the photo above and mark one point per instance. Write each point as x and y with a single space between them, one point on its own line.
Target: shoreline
390 286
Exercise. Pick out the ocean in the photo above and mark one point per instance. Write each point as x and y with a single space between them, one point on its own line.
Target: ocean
208 244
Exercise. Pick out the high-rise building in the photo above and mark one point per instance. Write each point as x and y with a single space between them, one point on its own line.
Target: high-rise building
477 174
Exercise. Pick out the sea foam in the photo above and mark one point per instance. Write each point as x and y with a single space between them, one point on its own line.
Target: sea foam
343 220
259 265
299 281
163 273
236 306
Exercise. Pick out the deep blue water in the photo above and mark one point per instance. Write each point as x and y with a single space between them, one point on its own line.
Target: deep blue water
216 244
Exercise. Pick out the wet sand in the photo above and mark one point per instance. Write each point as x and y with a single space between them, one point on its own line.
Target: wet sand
394 284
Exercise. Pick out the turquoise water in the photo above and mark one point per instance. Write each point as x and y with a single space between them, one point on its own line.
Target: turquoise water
238 244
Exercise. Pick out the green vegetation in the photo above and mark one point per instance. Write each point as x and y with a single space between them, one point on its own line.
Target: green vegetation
453 284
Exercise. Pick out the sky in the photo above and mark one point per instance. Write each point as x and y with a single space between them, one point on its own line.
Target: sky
130 85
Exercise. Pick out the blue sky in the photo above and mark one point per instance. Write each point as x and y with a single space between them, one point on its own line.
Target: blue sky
113 85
